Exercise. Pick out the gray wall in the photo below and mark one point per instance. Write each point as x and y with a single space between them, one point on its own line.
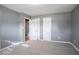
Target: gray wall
75 26
61 27
11 25
41 28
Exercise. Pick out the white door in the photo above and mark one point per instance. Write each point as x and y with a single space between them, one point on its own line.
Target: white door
47 28
34 29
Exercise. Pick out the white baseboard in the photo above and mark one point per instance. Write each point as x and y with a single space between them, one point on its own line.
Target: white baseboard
55 41
64 42
6 47
12 44
74 46
60 41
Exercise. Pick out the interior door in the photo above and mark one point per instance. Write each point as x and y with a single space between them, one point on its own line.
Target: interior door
34 29
47 28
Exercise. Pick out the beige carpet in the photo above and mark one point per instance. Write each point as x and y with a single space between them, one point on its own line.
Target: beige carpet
40 48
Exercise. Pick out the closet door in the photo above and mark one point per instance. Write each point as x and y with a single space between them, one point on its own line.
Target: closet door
34 29
47 28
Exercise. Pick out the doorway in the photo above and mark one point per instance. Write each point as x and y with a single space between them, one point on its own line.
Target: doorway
26 29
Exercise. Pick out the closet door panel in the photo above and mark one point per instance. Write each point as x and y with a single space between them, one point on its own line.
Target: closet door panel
47 28
34 29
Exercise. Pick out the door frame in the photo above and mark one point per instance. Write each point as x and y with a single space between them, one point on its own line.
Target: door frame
24 28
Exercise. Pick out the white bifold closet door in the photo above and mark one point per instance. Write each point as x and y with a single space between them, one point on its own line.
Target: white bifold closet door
34 29
47 28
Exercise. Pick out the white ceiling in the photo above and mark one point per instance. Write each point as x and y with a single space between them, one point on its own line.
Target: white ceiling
42 9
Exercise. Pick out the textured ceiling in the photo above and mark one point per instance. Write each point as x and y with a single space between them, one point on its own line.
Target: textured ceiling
42 9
